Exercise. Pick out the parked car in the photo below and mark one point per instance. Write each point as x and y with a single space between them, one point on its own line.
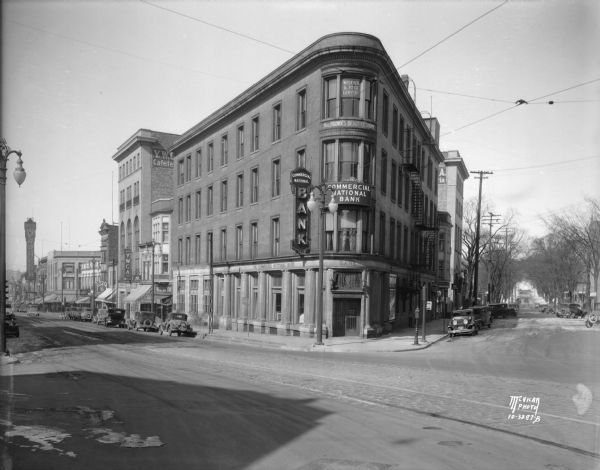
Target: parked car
143 321
115 317
575 311
176 323
502 310
86 314
463 323
100 317
10 325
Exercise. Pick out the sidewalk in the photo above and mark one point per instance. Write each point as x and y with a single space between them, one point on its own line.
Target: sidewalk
398 341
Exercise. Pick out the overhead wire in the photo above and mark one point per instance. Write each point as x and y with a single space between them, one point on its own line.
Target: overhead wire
451 35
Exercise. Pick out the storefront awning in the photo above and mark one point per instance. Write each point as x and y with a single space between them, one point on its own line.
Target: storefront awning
69 298
108 296
137 293
82 300
51 298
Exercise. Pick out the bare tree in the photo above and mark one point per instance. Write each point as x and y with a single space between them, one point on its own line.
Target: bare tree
580 230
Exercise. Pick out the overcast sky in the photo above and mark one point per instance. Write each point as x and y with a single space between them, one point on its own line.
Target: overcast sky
80 77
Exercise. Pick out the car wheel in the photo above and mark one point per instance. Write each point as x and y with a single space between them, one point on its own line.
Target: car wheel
588 323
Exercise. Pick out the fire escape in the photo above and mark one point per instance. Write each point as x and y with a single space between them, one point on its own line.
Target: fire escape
427 226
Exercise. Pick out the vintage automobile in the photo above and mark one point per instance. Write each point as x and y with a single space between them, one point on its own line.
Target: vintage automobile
116 317
143 321
463 323
10 325
86 314
502 310
176 323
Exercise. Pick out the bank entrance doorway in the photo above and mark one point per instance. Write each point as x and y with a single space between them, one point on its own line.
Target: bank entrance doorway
346 317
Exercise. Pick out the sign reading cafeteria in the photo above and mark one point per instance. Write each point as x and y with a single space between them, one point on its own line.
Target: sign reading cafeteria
352 193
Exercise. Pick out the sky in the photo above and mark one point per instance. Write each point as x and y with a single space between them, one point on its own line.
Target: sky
80 77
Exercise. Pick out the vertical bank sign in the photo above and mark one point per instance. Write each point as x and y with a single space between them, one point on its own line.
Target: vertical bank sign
300 181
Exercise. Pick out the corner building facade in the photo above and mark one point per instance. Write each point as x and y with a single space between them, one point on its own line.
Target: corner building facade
338 116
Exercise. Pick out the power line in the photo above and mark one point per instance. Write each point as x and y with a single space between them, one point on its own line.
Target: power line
450 35
564 162
566 89
466 96
222 28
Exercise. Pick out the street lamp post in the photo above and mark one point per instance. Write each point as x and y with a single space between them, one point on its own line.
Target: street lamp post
19 174
312 205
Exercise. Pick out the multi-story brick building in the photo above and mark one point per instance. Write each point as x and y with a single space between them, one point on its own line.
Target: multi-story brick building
337 116
145 179
452 176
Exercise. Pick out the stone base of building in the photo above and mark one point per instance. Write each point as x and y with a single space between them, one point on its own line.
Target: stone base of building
307 331
225 323
284 329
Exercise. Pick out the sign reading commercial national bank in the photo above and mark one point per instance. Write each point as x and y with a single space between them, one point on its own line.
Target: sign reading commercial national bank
352 193
300 182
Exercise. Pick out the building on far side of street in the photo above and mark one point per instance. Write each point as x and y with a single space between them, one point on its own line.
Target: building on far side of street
145 169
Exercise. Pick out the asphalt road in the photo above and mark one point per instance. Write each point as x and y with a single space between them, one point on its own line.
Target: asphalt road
84 396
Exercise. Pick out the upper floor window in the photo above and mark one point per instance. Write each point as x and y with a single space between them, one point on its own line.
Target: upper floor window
224 150
239 242
254 185
240 142
330 95
301 158
394 126
384 171
198 163
210 158
239 200
301 110
275 236
180 172
255 134
254 240
385 113
188 167
277 122
345 160
348 160
276 178
209 200
350 97
223 196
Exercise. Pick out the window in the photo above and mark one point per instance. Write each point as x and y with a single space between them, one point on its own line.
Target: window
393 182
209 246
188 250
188 167
209 201
384 171
188 208
394 126
348 160
224 150
367 162
197 249
239 242
329 161
301 158
276 178
277 122
180 250
198 205
401 140
330 93
254 185
382 233
240 142
399 241
223 196
239 190
254 240
180 211
223 244
301 110
385 111
406 192
400 181
369 99
350 96
180 172
198 163
275 304
392 251
255 134
210 158
165 232
275 236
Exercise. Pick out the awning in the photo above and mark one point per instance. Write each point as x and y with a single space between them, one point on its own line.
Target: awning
137 293
51 298
108 296
69 298
83 300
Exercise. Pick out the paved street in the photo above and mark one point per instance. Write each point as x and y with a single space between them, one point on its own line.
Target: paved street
77 394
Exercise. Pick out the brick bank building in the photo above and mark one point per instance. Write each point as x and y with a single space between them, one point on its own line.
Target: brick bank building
245 247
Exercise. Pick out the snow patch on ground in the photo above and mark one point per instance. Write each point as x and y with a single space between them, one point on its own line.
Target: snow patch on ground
41 437
108 436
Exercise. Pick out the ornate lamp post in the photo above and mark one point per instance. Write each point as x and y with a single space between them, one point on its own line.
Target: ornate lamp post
19 174
313 204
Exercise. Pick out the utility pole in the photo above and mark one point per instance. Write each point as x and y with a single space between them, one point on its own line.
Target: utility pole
476 269
492 220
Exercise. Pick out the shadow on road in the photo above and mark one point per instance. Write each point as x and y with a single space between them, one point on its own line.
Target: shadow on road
97 421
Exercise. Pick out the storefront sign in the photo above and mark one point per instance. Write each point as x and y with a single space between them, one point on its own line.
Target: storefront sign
352 193
300 181
127 265
349 123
